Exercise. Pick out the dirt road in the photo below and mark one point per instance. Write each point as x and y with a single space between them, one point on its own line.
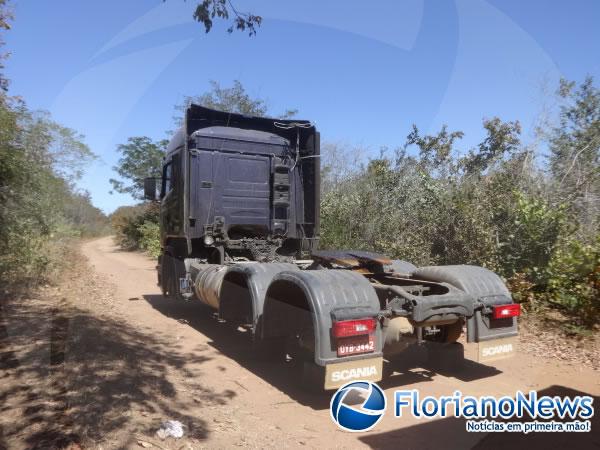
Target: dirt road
138 359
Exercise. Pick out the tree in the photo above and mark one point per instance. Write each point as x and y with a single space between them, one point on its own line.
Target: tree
141 158
50 144
234 99
435 152
502 139
5 18
230 99
338 163
575 152
39 207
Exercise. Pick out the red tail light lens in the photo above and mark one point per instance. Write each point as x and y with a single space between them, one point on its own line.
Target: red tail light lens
354 327
505 311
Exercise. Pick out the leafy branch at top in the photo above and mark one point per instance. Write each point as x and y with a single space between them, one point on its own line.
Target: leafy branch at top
209 10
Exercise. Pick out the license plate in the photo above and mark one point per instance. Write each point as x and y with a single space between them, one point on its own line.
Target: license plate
355 345
497 349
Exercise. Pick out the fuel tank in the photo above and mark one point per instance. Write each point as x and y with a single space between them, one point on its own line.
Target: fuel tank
208 279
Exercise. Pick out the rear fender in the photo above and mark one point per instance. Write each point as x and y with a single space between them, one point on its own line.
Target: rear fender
320 296
248 282
487 290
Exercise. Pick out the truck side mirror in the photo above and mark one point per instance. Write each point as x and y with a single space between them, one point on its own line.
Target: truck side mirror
150 188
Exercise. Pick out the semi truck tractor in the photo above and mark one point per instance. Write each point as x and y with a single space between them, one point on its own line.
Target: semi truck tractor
239 224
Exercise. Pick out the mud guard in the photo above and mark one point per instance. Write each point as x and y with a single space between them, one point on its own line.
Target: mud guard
258 277
402 268
332 295
487 289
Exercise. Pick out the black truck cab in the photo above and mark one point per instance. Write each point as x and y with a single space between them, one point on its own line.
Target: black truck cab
236 187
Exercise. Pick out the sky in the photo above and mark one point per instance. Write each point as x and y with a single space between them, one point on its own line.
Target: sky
364 72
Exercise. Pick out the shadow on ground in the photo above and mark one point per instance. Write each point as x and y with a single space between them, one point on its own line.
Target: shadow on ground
67 376
286 377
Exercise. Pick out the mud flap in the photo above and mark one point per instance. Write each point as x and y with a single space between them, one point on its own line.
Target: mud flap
332 376
497 349
482 327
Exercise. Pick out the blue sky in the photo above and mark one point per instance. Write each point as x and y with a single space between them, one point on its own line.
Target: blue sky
363 71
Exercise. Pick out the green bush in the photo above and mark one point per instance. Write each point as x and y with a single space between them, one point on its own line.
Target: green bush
150 237
574 279
40 211
493 206
533 233
136 227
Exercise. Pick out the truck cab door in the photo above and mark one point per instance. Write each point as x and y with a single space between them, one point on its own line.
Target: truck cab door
170 195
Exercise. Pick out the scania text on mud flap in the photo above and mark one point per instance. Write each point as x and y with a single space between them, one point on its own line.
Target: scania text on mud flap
239 226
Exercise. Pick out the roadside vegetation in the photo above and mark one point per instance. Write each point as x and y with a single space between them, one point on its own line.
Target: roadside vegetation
136 227
528 212
41 209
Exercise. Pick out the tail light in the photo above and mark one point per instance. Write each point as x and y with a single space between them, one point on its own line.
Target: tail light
354 327
505 311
